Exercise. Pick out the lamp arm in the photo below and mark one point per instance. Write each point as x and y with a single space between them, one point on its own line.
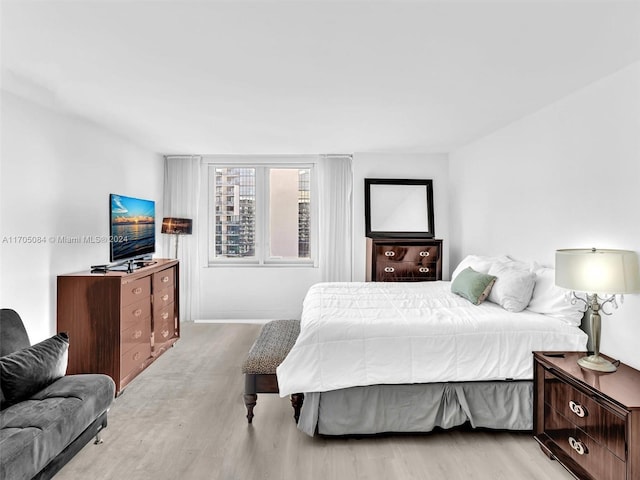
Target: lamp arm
594 301
612 300
575 298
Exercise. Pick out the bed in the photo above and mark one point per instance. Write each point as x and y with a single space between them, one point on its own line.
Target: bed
408 357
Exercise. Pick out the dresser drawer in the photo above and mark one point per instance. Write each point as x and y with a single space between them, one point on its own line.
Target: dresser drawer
163 279
134 313
138 333
580 447
410 253
603 425
135 359
163 298
164 313
164 331
136 290
404 271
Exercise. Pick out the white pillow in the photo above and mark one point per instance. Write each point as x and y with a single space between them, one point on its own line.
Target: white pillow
479 263
552 300
513 287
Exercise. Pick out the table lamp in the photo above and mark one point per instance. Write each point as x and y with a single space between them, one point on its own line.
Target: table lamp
600 275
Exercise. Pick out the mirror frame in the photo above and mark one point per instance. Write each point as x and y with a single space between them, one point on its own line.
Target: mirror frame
428 184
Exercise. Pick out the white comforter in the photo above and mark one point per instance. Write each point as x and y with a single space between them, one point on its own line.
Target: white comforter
374 333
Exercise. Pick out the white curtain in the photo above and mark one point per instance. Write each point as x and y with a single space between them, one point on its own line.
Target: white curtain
181 199
335 182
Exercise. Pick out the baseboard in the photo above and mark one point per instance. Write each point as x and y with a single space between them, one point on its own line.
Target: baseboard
235 320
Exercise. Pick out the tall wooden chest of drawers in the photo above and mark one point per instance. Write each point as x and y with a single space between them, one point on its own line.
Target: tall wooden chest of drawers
118 322
403 260
589 421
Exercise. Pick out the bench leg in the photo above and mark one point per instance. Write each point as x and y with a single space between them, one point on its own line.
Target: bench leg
250 401
296 402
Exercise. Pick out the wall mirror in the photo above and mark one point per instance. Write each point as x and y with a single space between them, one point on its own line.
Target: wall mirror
398 208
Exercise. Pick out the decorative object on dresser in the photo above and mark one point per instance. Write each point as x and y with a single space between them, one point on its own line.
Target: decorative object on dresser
398 208
403 259
176 226
597 273
587 420
119 322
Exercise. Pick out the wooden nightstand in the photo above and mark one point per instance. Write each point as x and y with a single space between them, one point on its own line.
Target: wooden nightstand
588 421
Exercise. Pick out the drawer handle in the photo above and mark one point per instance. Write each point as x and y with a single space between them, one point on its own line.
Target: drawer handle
578 409
165 297
137 334
164 279
137 313
389 254
137 291
578 446
389 269
165 333
424 254
136 356
165 315
423 270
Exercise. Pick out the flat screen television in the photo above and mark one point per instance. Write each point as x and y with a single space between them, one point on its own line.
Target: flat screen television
133 227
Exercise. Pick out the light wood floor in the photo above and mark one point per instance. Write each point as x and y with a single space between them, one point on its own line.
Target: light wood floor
184 418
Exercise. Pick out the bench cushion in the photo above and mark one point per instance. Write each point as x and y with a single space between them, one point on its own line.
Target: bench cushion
271 347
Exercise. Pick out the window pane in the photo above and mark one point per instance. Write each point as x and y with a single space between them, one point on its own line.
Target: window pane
289 212
235 212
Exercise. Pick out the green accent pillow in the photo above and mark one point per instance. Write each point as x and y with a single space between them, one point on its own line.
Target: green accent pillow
27 371
472 285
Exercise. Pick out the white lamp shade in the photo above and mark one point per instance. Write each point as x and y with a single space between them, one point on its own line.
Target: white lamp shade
598 271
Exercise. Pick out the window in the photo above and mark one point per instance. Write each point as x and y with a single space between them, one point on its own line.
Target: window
262 214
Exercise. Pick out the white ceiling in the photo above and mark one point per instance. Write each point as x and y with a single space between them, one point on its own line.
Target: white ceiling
310 77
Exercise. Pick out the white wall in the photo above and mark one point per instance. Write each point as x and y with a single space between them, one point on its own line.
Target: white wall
57 171
401 166
567 176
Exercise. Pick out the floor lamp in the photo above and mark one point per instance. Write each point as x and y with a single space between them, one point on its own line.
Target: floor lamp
177 227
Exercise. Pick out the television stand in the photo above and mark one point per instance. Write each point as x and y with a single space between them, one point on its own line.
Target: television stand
128 266
120 322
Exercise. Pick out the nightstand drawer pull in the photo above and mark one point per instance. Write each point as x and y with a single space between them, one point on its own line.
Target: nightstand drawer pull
578 409
423 270
389 269
424 254
578 446
389 254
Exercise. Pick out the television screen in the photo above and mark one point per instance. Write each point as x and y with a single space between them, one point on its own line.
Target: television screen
133 227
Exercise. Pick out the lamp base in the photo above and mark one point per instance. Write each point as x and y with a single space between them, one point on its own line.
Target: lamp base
596 362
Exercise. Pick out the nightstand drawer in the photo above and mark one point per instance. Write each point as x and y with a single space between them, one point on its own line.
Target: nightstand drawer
581 448
601 424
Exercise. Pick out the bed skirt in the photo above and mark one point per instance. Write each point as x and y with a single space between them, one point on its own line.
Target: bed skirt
416 408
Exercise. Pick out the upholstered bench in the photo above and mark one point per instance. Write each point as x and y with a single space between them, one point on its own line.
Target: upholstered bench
268 351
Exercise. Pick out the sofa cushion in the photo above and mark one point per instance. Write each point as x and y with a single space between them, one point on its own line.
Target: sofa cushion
34 431
31 369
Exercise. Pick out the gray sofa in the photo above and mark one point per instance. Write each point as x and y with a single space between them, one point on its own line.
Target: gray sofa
59 413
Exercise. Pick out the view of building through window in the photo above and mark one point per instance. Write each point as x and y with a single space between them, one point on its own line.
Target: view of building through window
288 193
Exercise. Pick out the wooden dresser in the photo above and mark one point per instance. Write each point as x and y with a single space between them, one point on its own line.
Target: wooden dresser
403 259
588 421
118 322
